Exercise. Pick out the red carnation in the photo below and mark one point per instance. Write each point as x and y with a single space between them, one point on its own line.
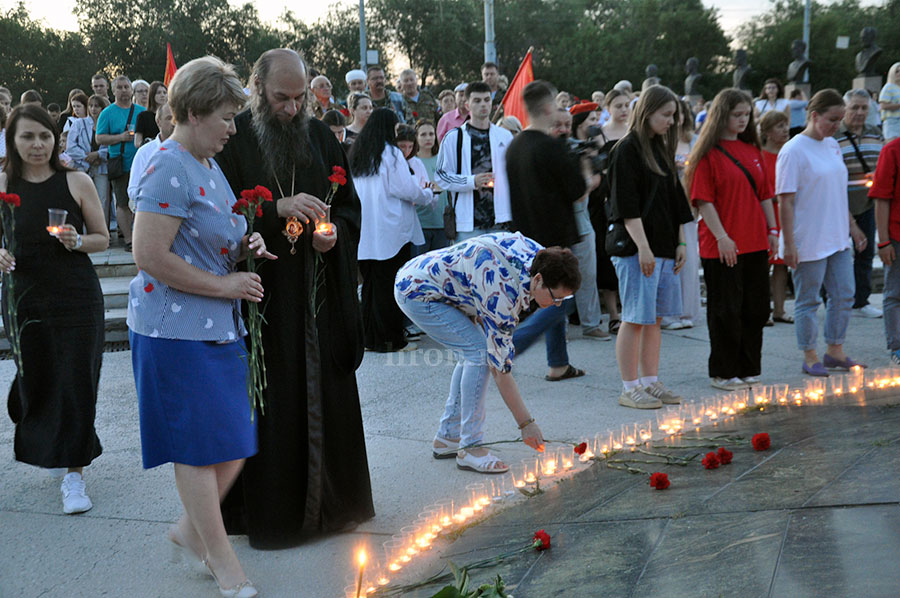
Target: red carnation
580 448
259 211
415 115
660 481
710 461
263 192
12 199
724 455
239 206
338 176
761 441
541 540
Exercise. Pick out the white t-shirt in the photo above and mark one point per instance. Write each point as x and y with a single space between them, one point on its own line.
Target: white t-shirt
815 171
764 106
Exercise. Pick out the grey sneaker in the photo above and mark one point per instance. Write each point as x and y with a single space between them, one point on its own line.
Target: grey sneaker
73 496
598 333
637 398
658 391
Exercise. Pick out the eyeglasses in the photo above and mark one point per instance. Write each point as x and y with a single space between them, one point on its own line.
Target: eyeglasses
556 300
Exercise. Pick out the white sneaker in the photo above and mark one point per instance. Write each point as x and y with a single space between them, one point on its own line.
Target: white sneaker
752 380
673 325
868 311
729 384
74 498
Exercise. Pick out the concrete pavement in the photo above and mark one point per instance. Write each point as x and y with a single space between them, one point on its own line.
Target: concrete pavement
119 547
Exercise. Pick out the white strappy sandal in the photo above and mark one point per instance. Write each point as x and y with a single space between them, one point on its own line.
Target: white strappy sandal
448 451
485 464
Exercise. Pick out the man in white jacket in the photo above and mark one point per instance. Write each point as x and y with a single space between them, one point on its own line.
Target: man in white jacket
471 165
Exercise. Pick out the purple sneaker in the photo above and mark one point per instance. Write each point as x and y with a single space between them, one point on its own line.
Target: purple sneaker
836 364
816 369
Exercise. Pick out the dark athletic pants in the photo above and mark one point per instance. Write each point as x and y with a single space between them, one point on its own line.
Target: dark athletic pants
382 318
737 307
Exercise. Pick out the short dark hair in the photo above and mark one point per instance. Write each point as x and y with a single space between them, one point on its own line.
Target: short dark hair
53 107
373 67
557 266
536 94
333 118
490 65
477 87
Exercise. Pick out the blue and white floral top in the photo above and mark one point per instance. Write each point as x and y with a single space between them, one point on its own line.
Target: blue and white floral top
175 184
486 277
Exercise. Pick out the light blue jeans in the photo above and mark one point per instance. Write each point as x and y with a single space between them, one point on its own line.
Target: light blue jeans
892 302
464 411
836 273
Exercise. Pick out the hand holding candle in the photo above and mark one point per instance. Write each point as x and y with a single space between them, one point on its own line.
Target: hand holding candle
55 220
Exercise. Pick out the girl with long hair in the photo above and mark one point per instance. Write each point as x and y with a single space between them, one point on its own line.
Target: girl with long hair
816 228
727 182
690 274
648 198
430 217
889 101
773 134
771 98
388 193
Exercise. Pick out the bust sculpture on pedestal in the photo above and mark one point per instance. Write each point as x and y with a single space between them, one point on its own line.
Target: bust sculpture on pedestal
652 78
691 82
868 56
797 69
741 70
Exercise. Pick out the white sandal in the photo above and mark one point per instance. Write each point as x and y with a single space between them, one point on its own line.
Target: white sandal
448 451
483 464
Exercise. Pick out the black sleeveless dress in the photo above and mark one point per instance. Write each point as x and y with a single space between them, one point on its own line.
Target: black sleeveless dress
54 403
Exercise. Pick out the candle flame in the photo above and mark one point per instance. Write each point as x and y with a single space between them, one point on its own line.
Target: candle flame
361 557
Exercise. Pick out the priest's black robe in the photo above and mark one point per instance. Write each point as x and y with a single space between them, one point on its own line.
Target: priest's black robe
311 474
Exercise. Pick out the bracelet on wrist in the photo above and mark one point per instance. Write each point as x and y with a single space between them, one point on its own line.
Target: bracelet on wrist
682 243
722 237
773 231
883 245
526 423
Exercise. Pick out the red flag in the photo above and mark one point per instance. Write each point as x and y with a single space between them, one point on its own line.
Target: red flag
512 101
170 65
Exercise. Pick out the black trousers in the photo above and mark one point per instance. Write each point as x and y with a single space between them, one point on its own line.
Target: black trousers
737 307
382 318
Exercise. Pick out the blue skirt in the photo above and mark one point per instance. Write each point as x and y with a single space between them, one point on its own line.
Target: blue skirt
192 397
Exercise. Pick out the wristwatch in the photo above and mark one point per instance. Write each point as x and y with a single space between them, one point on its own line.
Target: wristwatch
78 241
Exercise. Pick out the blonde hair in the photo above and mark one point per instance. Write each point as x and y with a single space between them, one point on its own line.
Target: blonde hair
717 123
203 85
652 99
892 72
769 121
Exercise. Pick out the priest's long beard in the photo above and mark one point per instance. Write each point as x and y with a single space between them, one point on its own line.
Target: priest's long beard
284 146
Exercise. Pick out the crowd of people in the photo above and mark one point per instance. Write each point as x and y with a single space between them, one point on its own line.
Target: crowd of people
455 222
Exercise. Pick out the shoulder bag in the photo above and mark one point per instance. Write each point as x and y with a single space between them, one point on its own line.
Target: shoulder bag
618 241
115 167
450 208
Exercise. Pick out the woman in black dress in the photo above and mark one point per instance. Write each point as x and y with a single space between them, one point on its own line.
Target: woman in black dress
53 398
145 128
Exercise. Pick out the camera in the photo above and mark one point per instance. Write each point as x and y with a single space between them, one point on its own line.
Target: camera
582 147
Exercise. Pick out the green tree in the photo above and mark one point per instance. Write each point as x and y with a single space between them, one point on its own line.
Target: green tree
443 39
34 57
768 40
129 36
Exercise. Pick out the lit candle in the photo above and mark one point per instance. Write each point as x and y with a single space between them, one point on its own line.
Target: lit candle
395 566
325 228
383 581
361 557
567 464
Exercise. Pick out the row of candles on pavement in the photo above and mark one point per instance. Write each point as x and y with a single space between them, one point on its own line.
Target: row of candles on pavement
413 540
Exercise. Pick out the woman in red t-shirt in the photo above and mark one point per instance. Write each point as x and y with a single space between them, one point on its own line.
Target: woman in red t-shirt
728 184
774 132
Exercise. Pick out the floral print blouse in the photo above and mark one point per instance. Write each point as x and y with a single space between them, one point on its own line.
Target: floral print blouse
486 277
